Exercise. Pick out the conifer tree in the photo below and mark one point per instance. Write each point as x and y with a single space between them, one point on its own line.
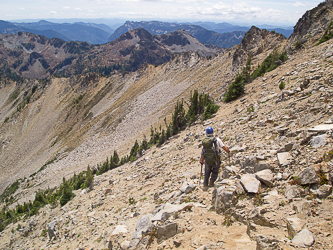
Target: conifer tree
66 193
89 179
115 158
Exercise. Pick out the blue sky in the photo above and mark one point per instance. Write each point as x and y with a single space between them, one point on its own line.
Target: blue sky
282 12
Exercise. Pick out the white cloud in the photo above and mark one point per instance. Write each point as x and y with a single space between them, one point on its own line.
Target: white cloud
67 7
79 9
21 8
53 12
299 4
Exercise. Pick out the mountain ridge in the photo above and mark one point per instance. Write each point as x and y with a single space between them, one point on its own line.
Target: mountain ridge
203 35
34 56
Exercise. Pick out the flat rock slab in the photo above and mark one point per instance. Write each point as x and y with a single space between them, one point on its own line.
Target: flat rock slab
250 183
265 176
120 229
321 128
303 239
169 210
284 158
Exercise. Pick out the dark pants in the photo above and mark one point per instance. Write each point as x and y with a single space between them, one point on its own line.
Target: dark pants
211 171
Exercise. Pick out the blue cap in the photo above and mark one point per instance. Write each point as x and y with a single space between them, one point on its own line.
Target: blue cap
209 130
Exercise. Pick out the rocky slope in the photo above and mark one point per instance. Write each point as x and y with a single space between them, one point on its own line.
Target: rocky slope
91 115
274 193
256 203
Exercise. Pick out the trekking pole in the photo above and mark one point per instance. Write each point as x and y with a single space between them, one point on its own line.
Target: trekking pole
200 174
229 160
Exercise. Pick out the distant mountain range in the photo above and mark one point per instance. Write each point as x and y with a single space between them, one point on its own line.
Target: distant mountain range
34 56
223 35
88 32
224 40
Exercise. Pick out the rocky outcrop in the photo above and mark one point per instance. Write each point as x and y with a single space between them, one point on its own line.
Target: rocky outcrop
313 23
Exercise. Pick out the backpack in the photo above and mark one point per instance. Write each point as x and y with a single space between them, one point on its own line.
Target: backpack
210 152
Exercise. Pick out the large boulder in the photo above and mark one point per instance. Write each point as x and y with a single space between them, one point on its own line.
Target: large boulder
308 176
224 198
143 226
303 239
318 141
250 183
265 176
166 230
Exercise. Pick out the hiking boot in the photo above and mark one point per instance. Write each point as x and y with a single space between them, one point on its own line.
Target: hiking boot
211 184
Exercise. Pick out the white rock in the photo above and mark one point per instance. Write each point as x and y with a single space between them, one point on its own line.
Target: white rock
266 176
303 239
120 229
250 183
284 158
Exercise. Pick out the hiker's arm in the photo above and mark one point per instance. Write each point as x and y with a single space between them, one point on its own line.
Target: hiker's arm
226 150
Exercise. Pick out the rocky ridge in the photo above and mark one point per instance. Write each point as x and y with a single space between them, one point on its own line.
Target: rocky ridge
35 56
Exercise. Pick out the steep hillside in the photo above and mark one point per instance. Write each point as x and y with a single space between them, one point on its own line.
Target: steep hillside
32 56
114 108
270 194
225 40
274 192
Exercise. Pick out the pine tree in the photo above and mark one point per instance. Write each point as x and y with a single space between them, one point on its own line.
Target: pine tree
115 158
134 151
66 193
89 179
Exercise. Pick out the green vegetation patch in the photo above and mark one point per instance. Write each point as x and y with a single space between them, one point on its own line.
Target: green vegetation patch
328 34
11 189
270 63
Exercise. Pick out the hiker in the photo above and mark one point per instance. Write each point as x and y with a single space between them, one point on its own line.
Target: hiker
210 155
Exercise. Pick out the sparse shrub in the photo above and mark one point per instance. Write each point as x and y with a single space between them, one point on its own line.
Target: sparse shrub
258 200
228 220
328 156
298 45
282 85
131 201
323 179
250 109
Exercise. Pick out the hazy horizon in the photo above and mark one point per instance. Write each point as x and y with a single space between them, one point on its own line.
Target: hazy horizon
245 13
